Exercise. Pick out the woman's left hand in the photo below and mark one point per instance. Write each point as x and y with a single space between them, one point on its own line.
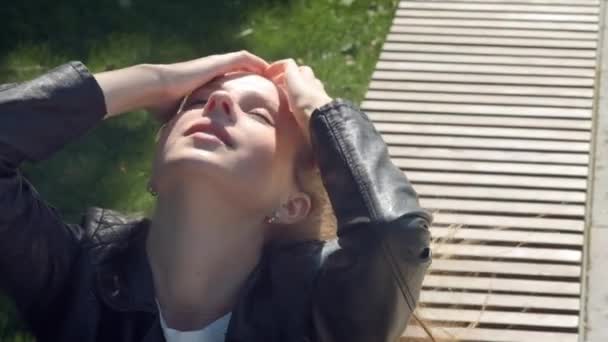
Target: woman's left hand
304 90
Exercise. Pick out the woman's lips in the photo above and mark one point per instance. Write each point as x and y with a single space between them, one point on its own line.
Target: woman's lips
210 128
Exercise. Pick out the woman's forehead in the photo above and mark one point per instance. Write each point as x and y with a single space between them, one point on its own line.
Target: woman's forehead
243 83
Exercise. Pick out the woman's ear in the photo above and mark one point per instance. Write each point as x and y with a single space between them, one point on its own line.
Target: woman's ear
295 209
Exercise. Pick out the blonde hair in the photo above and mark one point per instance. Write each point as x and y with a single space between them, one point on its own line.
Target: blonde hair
321 218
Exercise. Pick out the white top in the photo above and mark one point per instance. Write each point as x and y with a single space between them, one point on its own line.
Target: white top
214 332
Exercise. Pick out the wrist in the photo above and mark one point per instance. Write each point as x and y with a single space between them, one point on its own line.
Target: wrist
321 101
160 76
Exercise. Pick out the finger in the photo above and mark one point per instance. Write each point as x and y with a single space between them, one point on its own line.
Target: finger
252 62
279 79
245 69
241 69
275 68
293 78
284 94
319 84
307 71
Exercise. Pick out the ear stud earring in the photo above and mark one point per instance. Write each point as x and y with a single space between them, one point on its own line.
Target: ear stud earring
272 219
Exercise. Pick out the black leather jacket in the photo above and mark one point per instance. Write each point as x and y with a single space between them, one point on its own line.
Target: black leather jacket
91 281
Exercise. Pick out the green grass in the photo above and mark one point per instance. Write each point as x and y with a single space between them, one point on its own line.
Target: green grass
339 39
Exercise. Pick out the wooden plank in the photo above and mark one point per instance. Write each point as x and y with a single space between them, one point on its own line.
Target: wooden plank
489 32
489 50
478 120
489 155
534 182
481 7
490 167
586 93
479 192
482 109
503 235
568 3
500 284
506 268
571 18
491 41
485 69
482 78
448 333
485 59
515 24
499 317
528 2
499 300
496 132
485 143
499 207
498 221
419 96
496 97
507 252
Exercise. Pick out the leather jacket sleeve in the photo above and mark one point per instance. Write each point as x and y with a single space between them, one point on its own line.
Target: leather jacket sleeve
37 118
371 278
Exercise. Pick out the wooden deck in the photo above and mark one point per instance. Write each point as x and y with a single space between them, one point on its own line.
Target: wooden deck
487 105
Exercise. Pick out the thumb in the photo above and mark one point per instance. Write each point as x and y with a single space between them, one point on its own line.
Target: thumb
293 78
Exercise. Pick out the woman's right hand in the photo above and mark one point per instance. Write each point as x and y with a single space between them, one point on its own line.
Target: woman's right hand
159 88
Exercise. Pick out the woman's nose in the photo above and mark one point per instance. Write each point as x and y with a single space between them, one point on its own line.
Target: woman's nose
221 103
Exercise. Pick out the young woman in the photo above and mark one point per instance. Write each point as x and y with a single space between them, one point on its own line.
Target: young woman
255 167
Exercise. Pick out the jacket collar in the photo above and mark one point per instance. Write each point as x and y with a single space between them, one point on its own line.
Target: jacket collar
124 277
125 283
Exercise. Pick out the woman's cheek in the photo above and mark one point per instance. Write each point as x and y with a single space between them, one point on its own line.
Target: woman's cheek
261 155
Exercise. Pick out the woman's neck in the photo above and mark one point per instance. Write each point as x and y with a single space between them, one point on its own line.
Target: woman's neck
201 252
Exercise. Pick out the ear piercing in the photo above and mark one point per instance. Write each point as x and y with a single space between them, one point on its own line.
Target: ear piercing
272 219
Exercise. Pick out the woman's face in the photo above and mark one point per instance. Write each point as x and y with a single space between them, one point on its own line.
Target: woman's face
235 135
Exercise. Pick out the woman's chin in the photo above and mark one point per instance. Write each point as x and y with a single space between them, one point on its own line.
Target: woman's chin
195 162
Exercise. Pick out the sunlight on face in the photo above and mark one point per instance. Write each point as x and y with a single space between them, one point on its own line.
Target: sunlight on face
247 141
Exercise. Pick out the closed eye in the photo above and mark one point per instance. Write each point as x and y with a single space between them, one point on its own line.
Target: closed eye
192 102
262 117
259 116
